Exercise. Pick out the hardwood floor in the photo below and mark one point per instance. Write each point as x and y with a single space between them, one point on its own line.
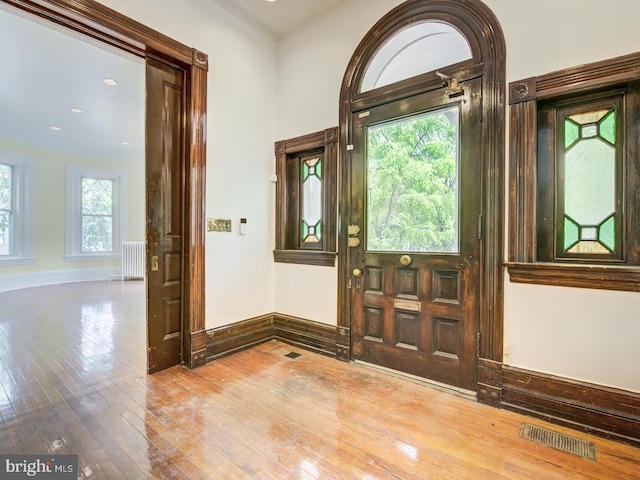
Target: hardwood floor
72 371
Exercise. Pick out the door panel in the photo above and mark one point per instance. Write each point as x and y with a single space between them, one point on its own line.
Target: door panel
416 264
164 171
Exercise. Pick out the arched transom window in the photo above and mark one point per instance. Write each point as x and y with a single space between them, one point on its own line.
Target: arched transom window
418 48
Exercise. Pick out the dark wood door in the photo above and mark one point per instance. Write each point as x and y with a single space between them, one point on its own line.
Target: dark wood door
164 173
414 238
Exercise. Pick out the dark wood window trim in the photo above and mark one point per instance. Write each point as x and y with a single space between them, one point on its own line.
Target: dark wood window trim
287 195
525 95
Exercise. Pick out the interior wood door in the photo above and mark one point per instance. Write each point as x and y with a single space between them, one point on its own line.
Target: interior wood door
414 236
164 174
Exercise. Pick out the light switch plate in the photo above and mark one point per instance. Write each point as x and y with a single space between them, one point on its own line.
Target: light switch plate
218 225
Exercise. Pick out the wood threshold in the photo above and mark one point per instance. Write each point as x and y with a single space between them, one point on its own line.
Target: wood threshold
441 387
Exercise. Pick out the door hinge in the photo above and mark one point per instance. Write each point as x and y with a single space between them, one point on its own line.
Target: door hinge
478 344
480 227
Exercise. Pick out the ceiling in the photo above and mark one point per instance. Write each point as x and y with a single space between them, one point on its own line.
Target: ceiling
46 71
275 17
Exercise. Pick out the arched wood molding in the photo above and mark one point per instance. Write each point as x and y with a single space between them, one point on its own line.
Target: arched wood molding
102 23
481 28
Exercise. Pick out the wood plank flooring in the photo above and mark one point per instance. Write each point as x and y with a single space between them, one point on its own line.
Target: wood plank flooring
72 376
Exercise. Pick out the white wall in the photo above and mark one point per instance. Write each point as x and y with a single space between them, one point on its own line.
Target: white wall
311 63
49 217
240 136
583 334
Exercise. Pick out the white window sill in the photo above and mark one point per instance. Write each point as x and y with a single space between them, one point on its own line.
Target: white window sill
93 257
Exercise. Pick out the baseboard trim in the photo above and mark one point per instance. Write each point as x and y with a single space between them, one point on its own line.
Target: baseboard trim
228 339
602 411
489 386
310 335
198 346
55 277
307 334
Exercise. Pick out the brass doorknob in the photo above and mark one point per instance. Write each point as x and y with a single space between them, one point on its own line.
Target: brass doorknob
357 272
405 260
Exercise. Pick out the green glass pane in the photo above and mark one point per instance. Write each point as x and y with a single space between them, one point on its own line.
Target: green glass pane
607 233
305 230
318 229
305 171
608 127
590 182
571 132
5 186
412 183
319 169
571 233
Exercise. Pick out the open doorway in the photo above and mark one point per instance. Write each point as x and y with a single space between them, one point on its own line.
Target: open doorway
72 154
174 132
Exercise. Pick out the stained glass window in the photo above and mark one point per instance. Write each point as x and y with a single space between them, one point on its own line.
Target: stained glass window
588 172
97 215
311 200
6 208
306 169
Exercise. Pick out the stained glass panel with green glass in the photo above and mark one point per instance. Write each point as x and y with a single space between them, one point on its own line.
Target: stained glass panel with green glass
590 179
311 200
571 233
571 133
607 127
607 233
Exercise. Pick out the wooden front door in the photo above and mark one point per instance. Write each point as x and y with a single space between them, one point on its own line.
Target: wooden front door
164 173
414 235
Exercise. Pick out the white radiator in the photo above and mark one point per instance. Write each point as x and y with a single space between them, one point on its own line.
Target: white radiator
132 260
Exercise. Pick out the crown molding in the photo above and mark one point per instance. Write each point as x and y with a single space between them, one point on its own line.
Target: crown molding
226 12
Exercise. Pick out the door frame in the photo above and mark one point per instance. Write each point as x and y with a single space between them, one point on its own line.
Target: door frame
482 29
94 20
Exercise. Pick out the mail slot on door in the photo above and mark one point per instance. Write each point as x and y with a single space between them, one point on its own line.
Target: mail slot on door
410 305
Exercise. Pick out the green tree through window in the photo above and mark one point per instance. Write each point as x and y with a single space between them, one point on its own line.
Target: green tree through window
6 174
97 215
413 184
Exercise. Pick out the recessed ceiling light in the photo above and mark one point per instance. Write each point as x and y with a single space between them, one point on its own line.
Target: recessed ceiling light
126 143
110 81
76 110
56 128
271 0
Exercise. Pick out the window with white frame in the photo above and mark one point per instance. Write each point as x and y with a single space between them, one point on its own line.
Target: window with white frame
96 213
16 212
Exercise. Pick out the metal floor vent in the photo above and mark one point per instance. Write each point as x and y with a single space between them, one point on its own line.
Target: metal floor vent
559 441
293 355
